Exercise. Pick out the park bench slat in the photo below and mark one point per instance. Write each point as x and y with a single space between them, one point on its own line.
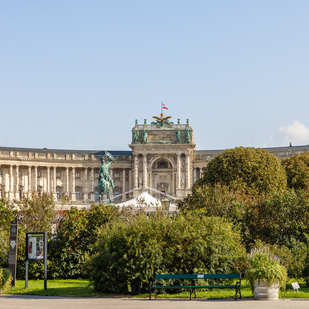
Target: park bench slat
198 276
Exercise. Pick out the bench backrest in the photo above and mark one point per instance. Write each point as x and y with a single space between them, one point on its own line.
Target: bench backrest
198 276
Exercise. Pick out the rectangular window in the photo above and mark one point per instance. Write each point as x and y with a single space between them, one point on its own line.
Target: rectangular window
117 196
19 173
96 196
19 193
0 172
58 195
77 175
39 174
58 174
0 192
116 175
96 175
77 195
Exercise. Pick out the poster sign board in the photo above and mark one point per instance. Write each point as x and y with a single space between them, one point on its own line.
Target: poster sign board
35 246
36 250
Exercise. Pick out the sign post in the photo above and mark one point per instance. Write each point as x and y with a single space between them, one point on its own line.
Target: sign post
13 250
36 250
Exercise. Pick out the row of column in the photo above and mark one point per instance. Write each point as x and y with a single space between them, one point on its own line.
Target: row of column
178 174
12 179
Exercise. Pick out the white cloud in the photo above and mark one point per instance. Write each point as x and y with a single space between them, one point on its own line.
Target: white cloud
296 133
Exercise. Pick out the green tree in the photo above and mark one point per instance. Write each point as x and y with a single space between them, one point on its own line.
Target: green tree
7 214
280 219
129 254
297 171
253 170
69 251
35 214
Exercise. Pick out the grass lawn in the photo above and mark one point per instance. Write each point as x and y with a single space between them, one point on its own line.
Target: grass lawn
77 288
303 292
81 288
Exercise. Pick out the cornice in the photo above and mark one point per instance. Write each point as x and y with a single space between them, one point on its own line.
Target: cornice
159 148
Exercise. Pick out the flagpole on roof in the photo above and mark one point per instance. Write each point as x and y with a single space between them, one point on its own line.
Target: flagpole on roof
161 107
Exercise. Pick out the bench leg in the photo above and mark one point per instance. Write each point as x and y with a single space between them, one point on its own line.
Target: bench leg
190 293
149 294
155 294
237 291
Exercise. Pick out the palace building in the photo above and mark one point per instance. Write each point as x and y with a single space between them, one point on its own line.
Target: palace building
163 159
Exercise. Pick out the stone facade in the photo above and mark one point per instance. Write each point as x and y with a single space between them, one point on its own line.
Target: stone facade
162 157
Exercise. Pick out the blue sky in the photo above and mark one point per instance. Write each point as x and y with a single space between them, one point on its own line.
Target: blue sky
76 74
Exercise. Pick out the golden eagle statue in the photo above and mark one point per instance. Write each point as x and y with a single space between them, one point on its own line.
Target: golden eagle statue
162 118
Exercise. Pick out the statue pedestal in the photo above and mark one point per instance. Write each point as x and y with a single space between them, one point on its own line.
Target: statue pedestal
92 196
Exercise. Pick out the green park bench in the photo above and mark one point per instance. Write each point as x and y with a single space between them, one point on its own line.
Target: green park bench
193 286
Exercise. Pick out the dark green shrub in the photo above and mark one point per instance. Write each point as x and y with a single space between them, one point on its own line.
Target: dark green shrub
69 251
129 254
280 218
7 214
297 171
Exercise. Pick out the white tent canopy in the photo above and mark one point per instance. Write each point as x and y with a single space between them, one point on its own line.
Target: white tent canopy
145 200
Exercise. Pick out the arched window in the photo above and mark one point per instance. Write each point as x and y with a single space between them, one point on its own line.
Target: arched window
162 164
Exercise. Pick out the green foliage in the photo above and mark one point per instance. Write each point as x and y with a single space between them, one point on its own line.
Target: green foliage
297 171
129 254
253 169
217 200
264 266
278 219
36 214
69 251
5 279
293 258
7 214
